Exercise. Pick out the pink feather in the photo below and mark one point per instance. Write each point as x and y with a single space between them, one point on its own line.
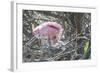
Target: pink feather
48 29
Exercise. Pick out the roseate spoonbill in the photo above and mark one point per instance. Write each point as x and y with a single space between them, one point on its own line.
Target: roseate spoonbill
51 30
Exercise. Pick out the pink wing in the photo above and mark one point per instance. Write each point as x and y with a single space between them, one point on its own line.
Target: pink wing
47 29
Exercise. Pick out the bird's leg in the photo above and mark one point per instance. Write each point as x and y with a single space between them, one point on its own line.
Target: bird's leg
49 43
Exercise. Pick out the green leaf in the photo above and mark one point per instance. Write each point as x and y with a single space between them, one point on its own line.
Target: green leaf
86 47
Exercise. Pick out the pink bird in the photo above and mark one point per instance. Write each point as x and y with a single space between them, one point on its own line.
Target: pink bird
48 29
